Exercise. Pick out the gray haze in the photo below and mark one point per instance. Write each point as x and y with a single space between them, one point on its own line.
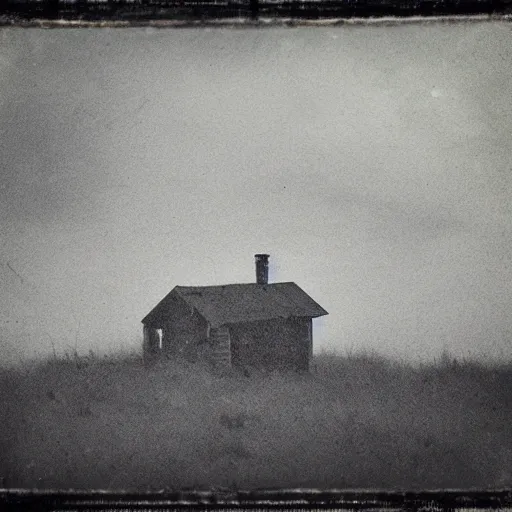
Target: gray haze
372 163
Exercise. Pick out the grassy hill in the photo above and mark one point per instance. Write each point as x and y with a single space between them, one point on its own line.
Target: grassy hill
355 421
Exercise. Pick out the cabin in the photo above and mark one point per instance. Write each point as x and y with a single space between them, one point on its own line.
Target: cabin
259 325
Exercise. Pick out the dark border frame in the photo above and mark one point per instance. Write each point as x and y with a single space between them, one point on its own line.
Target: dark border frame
449 500
134 12
199 12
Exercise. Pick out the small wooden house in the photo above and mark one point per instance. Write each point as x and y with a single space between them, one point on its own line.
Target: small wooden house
257 325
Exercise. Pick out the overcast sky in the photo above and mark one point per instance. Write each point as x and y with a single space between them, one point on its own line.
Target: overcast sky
372 163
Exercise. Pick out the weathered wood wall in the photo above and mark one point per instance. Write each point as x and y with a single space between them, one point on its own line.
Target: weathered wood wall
183 330
272 344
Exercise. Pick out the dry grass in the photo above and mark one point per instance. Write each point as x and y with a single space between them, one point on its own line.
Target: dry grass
355 421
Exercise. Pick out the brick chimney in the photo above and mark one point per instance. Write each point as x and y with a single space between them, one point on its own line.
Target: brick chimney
261 268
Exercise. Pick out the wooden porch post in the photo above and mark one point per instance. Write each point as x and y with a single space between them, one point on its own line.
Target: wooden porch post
221 341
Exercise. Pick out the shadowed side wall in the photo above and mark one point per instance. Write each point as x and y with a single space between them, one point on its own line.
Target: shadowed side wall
184 331
273 344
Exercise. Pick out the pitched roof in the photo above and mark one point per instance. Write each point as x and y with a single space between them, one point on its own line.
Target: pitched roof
234 303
